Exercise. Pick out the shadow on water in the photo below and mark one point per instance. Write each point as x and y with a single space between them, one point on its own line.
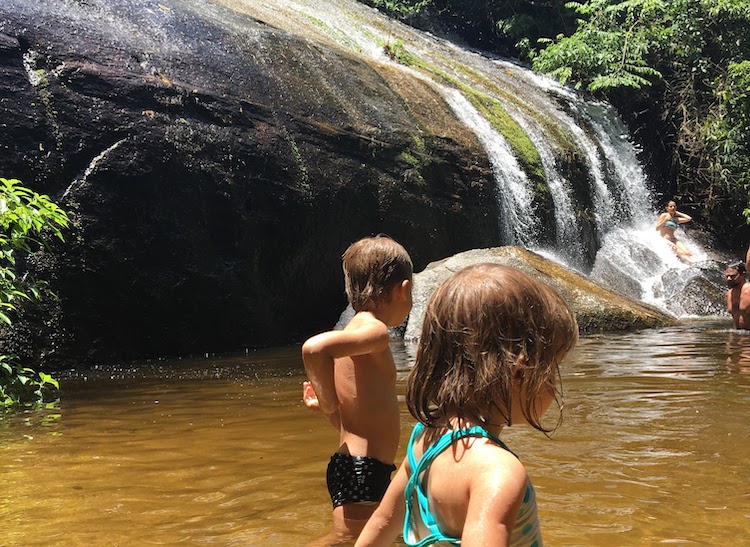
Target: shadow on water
652 450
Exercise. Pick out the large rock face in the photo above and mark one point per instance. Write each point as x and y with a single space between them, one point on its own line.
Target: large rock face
217 167
596 308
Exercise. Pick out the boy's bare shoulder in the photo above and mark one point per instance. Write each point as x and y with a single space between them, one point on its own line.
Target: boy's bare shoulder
362 335
366 321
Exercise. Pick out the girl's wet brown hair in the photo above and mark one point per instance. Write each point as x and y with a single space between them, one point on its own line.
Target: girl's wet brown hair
372 266
486 327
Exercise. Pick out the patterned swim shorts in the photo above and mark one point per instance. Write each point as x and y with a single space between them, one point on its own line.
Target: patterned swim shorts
355 479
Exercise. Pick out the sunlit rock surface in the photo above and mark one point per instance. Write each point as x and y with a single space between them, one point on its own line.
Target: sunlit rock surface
219 156
596 308
216 168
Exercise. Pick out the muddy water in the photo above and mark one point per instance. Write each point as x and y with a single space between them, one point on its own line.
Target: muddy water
653 450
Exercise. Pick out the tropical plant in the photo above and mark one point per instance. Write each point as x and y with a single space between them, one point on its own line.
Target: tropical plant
401 9
612 46
26 219
690 61
21 385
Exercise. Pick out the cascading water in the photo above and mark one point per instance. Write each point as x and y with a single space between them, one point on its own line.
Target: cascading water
630 255
514 194
628 178
567 233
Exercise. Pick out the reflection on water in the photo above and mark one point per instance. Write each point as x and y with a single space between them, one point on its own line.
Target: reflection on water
738 350
653 449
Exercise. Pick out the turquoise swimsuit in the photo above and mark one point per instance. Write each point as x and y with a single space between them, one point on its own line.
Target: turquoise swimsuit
671 224
526 531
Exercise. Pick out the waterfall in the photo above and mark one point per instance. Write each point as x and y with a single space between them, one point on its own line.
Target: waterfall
365 31
616 222
628 177
518 220
567 232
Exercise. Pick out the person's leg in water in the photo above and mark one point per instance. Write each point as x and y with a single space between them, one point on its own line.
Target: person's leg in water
348 522
683 253
356 485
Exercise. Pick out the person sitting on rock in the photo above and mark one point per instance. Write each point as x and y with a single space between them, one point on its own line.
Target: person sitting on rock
666 226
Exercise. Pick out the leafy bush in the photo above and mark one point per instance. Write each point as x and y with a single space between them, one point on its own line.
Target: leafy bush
698 51
611 47
21 385
26 218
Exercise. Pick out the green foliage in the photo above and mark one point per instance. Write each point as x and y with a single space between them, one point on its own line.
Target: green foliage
729 134
26 217
21 385
611 47
401 9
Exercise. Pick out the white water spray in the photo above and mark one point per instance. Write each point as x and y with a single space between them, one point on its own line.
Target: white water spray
622 205
518 220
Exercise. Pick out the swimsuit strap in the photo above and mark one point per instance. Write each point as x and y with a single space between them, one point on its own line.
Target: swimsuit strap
414 484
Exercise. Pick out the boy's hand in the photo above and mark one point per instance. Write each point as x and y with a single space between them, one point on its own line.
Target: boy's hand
309 397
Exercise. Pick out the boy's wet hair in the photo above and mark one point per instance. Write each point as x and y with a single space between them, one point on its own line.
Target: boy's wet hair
372 266
485 328
739 266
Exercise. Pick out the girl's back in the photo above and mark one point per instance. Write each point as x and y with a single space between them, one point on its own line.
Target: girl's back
489 353
474 488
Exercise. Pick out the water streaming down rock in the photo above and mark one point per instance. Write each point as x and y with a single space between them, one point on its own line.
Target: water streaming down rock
568 234
620 248
533 102
518 220
219 154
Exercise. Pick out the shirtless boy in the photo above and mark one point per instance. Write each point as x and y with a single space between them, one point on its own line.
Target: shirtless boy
353 382
738 295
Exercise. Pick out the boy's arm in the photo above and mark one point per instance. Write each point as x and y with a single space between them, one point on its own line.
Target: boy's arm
387 522
310 398
318 354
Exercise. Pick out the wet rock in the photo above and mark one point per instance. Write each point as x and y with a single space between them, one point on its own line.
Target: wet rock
216 168
698 290
596 308
624 262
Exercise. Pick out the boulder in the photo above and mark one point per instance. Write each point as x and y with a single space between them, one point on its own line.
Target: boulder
698 290
597 309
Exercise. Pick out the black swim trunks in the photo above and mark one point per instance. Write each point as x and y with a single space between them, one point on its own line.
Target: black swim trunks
354 479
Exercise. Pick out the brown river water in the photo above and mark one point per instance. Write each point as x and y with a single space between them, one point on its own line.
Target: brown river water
653 450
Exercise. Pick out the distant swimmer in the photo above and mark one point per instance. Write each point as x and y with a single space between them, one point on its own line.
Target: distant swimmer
738 295
667 224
